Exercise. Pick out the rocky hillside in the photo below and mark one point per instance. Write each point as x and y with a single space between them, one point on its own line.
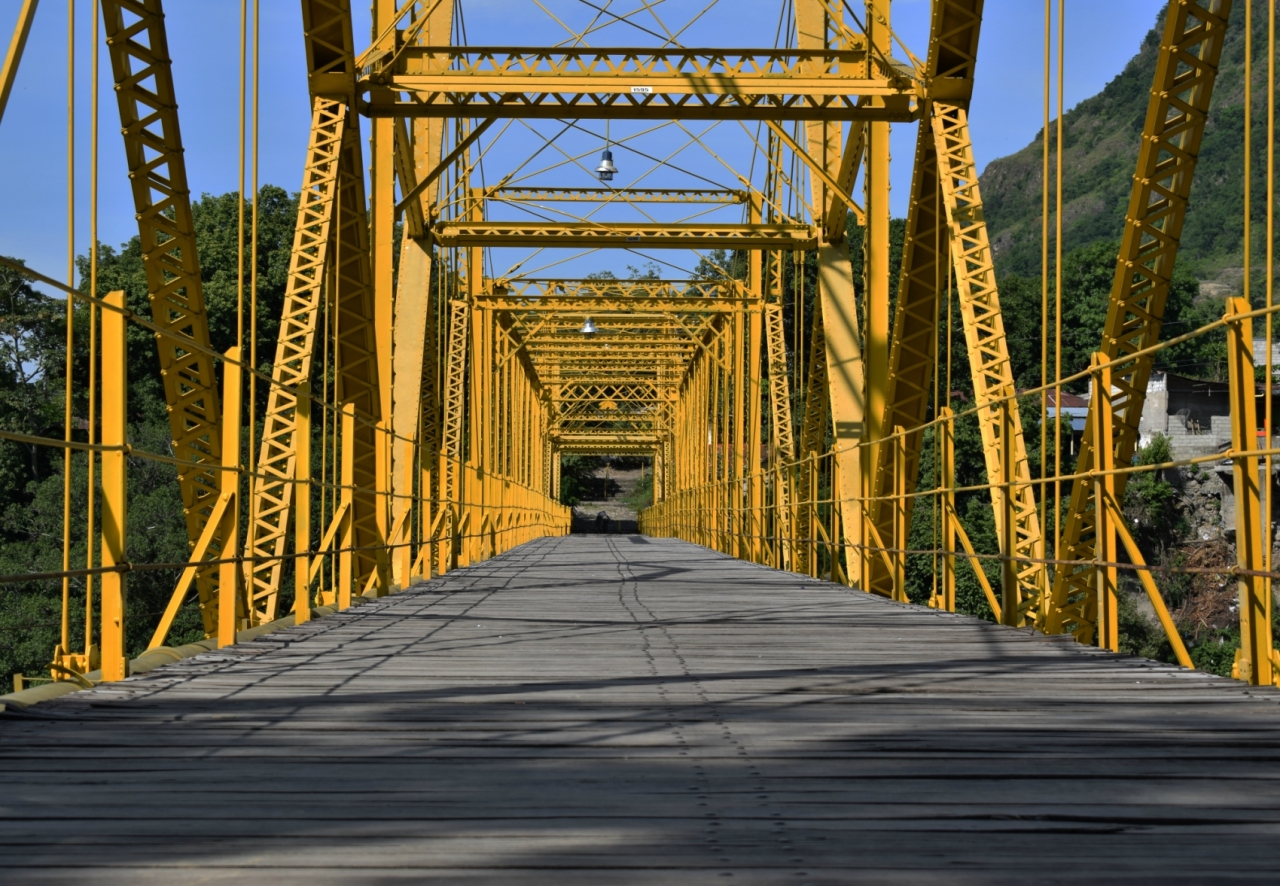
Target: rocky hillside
1100 149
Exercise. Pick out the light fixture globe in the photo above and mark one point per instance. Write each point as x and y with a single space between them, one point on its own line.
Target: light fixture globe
588 328
606 169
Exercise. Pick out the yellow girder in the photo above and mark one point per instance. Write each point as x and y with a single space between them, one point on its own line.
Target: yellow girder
1022 543
646 235
954 31
1186 67
273 491
508 194
645 83
668 289
331 65
143 74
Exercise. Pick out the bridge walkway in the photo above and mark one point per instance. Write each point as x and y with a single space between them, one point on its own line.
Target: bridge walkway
619 709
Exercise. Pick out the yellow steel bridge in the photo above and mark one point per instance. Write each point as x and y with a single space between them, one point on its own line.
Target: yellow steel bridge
432 369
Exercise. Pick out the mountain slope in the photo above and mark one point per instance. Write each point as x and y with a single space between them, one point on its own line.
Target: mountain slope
1100 150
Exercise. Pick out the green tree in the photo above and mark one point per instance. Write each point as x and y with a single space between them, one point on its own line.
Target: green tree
576 473
32 382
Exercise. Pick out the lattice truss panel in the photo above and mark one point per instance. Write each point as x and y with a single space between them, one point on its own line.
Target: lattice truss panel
688 84
332 71
143 76
954 31
1186 68
993 385
779 382
455 379
291 372
813 434
589 235
509 194
620 381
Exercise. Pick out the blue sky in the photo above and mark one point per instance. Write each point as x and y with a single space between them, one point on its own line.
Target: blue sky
204 43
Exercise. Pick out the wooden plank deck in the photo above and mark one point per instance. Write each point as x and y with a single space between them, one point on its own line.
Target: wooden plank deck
615 709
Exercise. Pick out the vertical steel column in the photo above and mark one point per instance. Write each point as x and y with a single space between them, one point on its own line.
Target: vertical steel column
230 600
1007 496
115 373
812 437
876 256
453 436
302 508
1256 659
737 426
719 409
450 479
816 21
901 527
402 534
416 339
1104 486
947 505
755 523
347 498
382 217
846 380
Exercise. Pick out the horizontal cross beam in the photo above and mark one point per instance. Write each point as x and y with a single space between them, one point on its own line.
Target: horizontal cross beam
647 235
613 195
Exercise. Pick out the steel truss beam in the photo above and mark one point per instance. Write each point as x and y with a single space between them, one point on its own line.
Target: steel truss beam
415 338
455 395
647 235
273 492
998 417
1186 68
954 32
813 432
331 66
610 448
507 194
621 393
582 440
143 76
644 83
671 289
621 351
604 306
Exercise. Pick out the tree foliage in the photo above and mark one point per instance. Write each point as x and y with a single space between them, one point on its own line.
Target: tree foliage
33 374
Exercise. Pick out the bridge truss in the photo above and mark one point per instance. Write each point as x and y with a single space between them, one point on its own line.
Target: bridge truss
423 392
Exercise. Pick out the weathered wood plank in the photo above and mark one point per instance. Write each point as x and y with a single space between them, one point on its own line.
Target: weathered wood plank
587 710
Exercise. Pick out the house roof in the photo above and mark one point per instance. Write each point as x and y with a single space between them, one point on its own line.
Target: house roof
1069 400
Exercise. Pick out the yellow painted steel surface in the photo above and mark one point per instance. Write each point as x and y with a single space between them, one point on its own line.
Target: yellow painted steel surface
274 492
143 74
1017 520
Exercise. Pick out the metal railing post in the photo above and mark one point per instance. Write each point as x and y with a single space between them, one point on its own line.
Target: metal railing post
1108 617
229 570
1256 658
114 489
